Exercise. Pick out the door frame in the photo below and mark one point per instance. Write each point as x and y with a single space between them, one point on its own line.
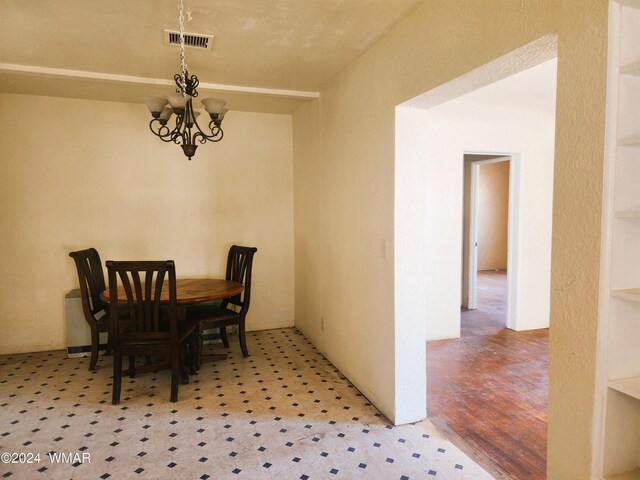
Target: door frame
513 231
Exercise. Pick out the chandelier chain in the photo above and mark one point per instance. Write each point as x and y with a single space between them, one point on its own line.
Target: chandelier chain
183 65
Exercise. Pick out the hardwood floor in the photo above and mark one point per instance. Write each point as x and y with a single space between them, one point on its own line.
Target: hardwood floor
488 389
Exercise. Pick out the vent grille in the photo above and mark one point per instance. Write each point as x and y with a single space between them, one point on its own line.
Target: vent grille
194 40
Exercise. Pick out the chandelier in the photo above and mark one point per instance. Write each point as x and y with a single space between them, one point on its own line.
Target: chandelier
186 132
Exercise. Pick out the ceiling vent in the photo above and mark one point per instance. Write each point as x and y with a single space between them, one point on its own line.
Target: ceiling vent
195 40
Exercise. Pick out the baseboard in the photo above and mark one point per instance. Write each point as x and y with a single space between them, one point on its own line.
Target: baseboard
270 326
84 350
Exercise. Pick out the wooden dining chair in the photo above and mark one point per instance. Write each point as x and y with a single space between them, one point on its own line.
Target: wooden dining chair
96 311
232 310
152 327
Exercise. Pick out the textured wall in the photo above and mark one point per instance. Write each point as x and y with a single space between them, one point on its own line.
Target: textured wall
442 40
308 207
80 173
576 235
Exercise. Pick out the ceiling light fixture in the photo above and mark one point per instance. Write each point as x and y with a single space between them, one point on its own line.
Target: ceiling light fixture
186 131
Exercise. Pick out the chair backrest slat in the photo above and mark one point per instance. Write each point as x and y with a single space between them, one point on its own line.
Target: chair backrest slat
158 293
143 283
239 266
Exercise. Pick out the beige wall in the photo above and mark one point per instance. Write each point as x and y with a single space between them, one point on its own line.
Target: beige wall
80 173
493 215
577 210
308 208
440 41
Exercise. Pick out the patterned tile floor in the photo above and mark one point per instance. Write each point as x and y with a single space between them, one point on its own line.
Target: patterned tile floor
284 412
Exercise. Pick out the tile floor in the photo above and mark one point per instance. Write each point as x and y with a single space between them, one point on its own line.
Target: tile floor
285 412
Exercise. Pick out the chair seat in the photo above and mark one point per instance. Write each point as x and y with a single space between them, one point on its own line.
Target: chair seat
103 323
212 317
185 329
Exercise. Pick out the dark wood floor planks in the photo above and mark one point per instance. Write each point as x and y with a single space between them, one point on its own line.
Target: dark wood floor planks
489 387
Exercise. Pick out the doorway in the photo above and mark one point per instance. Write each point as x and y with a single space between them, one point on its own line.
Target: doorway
477 384
490 226
430 142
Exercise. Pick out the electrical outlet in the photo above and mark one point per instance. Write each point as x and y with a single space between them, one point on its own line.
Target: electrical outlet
322 323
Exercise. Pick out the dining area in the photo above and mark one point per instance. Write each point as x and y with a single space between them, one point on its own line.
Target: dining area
158 320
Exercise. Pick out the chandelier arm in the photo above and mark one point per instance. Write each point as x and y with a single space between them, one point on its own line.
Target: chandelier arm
161 131
216 133
177 132
177 138
203 137
215 126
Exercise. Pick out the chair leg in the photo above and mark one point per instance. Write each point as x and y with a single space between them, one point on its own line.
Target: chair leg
193 353
175 373
223 336
117 377
184 361
132 366
95 345
243 340
199 345
109 347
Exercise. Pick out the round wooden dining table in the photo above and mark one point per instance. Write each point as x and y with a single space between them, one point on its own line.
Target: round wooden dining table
190 291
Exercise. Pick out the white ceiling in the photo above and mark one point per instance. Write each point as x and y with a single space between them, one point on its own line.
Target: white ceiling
287 49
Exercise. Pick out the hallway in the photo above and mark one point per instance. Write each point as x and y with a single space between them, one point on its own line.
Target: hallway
488 389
